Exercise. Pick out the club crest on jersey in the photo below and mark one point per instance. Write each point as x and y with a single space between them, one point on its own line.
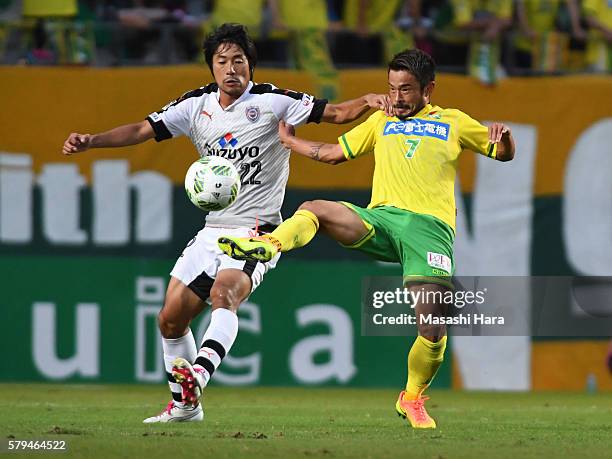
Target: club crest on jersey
228 139
252 114
307 100
418 127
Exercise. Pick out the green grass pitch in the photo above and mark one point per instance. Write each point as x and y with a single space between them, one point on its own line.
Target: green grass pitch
105 422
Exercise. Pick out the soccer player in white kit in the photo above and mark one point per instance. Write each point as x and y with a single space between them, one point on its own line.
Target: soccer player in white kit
238 120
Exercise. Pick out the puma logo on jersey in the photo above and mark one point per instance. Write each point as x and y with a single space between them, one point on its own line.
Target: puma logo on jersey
205 113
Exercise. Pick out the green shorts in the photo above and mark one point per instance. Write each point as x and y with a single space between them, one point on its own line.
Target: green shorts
422 243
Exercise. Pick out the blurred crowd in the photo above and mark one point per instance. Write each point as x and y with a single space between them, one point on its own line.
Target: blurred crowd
487 39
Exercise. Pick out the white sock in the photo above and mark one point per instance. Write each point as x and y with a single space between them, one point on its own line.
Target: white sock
184 347
217 342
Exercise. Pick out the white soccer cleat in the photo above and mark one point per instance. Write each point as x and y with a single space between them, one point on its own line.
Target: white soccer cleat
191 380
174 413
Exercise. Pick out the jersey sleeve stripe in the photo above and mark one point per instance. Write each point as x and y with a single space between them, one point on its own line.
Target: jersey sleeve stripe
316 114
208 89
266 88
491 151
318 105
160 129
347 150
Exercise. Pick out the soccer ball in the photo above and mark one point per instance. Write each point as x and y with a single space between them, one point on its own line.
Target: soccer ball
212 183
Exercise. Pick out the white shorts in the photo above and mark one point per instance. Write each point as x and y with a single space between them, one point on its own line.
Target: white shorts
202 259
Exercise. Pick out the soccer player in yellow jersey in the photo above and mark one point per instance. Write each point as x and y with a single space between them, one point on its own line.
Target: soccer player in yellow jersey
411 217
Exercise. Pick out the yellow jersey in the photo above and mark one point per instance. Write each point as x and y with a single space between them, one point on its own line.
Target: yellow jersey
416 158
379 15
599 52
466 10
304 14
541 16
599 9
245 12
42 8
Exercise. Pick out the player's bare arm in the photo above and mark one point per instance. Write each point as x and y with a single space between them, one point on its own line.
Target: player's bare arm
348 111
122 136
500 134
323 152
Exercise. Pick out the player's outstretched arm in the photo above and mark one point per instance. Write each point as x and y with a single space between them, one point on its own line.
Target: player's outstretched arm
324 152
500 134
128 134
348 111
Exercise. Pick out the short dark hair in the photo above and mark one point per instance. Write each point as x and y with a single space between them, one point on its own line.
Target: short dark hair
417 62
236 34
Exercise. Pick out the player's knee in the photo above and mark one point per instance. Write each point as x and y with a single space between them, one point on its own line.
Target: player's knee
310 206
317 207
172 319
171 327
433 333
225 296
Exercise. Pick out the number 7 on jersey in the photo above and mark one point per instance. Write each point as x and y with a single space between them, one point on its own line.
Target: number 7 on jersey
413 144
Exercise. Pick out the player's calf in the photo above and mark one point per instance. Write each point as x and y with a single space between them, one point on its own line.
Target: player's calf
230 289
338 220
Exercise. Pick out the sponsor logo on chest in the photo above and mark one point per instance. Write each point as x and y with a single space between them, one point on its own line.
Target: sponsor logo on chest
228 139
418 127
227 146
249 136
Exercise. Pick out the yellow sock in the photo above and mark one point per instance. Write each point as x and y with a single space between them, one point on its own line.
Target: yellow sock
296 231
424 359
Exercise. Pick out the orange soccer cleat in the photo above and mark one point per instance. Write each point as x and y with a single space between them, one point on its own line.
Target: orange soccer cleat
414 411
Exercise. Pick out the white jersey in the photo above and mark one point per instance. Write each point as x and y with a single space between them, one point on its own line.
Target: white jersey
245 133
